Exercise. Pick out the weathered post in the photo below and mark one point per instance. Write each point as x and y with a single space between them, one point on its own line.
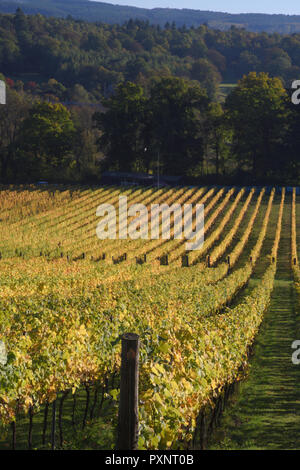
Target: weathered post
128 404
164 260
185 261
228 262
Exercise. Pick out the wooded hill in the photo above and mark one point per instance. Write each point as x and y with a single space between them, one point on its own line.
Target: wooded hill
158 87
98 56
107 13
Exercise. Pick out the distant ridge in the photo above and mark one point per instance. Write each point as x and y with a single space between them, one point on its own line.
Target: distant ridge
106 13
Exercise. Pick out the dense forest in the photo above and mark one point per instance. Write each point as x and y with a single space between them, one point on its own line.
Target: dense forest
107 13
99 56
85 97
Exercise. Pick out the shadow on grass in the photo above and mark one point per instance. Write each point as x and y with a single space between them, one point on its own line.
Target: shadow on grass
99 432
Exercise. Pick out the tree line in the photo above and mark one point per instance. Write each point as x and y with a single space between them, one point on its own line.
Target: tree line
98 56
171 126
112 14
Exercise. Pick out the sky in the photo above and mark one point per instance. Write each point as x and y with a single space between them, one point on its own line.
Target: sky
290 7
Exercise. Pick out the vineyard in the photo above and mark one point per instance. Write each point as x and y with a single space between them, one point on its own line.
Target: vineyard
67 297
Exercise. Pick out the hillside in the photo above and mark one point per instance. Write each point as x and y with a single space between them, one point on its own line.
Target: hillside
107 13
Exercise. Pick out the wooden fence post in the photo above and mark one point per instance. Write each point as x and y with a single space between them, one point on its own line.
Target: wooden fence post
185 261
128 405
164 260
228 262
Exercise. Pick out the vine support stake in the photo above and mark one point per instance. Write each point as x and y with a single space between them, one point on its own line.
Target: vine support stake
13 443
164 260
45 423
228 262
185 261
53 425
128 404
30 428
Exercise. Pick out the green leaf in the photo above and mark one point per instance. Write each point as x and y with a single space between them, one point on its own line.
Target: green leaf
10 357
